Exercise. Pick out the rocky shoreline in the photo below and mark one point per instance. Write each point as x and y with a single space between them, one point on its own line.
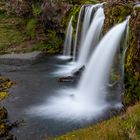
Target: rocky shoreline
21 58
5 124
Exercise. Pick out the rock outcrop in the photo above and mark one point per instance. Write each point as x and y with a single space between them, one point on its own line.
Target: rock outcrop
21 8
53 13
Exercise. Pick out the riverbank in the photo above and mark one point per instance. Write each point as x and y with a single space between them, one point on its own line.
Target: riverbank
5 124
126 126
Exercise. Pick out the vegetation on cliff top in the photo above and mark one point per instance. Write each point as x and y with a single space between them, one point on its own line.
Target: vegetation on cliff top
21 33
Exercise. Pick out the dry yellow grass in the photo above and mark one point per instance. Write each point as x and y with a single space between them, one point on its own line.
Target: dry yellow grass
123 127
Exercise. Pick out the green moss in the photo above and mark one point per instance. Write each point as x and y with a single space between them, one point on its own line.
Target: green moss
132 77
83 1
137 8
5 83
116 13
73 12
9 33
52 45
123 127
36 9
3 95
53 42
31 28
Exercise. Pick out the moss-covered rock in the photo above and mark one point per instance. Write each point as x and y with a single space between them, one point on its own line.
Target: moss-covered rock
132 65
116 12
5 83
3 113
5 125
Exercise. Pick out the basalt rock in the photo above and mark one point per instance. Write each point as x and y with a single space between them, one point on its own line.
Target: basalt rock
67 79
3 113
53 13
116 12
132 66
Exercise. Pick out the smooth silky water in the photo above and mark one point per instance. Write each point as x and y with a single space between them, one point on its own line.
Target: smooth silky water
88 38
34 84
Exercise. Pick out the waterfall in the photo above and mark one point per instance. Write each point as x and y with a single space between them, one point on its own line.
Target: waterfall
92 36
88 101
125 48
99 67
77 31
88 15
86 38
68 40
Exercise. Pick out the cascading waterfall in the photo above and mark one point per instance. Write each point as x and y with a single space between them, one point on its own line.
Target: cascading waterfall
86 21
88 100
77 31
68 40
126 42
88 15
90 33
92 36
99 67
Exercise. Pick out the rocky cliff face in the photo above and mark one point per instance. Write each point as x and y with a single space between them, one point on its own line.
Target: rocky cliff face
19 7
53 13
133 60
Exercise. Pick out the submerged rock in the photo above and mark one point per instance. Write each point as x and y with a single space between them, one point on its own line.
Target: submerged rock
67 79
3 113
78 71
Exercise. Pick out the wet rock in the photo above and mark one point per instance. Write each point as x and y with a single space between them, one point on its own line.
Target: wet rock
20 59
67 79
9 137
3 113
78 71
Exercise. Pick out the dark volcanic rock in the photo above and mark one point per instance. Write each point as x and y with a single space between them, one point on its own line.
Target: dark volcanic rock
53 13
66 79
3 113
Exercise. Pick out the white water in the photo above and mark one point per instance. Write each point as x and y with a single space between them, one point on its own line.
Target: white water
125 48
77 31
92 37
68 40
88 100
99 67
87 20
88 16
